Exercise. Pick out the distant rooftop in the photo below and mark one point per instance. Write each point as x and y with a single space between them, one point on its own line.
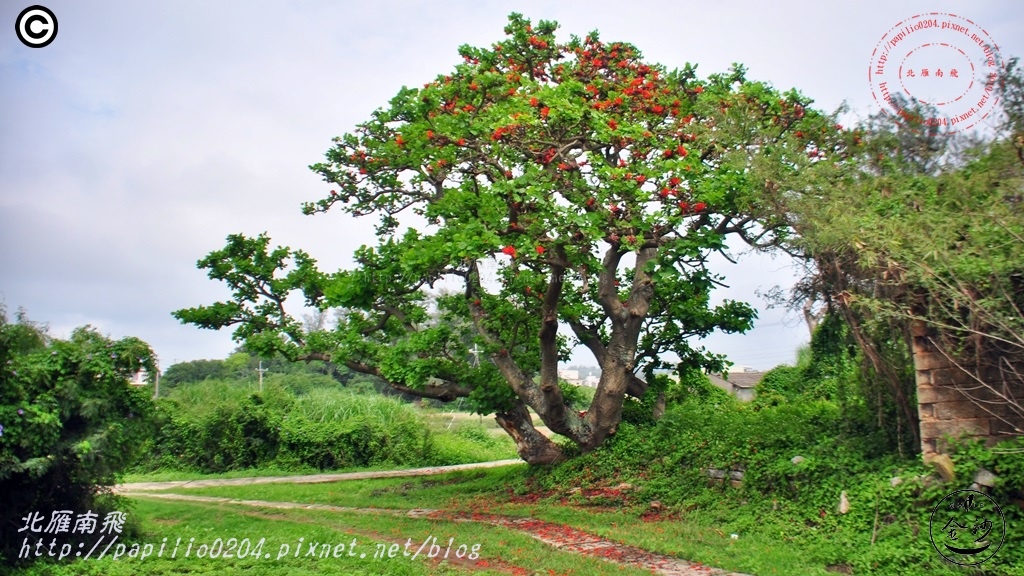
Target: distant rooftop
747 379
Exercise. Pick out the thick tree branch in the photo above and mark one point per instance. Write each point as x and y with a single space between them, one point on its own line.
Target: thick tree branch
549 345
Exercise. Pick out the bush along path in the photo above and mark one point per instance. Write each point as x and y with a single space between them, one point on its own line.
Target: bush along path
557 535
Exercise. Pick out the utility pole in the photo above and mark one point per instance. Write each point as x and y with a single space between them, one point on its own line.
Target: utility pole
156 390
261 370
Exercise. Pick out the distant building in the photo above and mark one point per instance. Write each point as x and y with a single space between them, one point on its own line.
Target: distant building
739 383
570 376
591 381
139 378
734 369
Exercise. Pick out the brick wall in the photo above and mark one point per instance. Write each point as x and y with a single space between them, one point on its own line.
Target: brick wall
952 401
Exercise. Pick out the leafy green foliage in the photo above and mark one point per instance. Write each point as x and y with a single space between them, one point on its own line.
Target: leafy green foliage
787 503
588 185
300 422
70 421
780 385
193 371
912 231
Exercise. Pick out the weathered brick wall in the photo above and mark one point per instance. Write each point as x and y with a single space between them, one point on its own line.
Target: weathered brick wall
951 401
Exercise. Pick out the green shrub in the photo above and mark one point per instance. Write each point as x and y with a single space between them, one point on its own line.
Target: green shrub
217 426
886 530
780 385
69 422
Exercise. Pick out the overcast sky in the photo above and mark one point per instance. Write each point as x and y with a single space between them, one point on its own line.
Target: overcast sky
147 132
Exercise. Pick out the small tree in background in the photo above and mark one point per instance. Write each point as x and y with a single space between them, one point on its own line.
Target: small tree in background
71 422
562 184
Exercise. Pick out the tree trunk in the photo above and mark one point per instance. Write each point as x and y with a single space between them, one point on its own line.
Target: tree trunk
532 446
606 409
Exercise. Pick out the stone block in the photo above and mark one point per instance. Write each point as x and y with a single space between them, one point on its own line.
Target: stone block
930 361
960 426
1009 425
961 409
736 475
736 483
985 478
943 464
929 445
933 394
926 411
949 377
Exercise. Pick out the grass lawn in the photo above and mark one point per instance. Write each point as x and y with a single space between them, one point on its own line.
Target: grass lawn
382 539
695 536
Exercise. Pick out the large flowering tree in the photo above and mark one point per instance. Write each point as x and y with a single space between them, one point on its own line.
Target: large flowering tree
554 185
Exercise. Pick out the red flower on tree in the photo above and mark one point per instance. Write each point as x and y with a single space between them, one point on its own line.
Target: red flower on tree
540 249
699 207
510 250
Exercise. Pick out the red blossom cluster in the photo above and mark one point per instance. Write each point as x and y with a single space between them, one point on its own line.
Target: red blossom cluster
503 131
537 42
697 208
678 151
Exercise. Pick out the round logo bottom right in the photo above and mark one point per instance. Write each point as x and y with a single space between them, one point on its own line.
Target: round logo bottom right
967 527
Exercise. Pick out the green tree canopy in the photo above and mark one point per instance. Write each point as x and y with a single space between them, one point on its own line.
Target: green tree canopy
553 184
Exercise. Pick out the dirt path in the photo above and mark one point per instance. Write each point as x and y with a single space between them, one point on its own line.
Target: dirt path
557 535
310 478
